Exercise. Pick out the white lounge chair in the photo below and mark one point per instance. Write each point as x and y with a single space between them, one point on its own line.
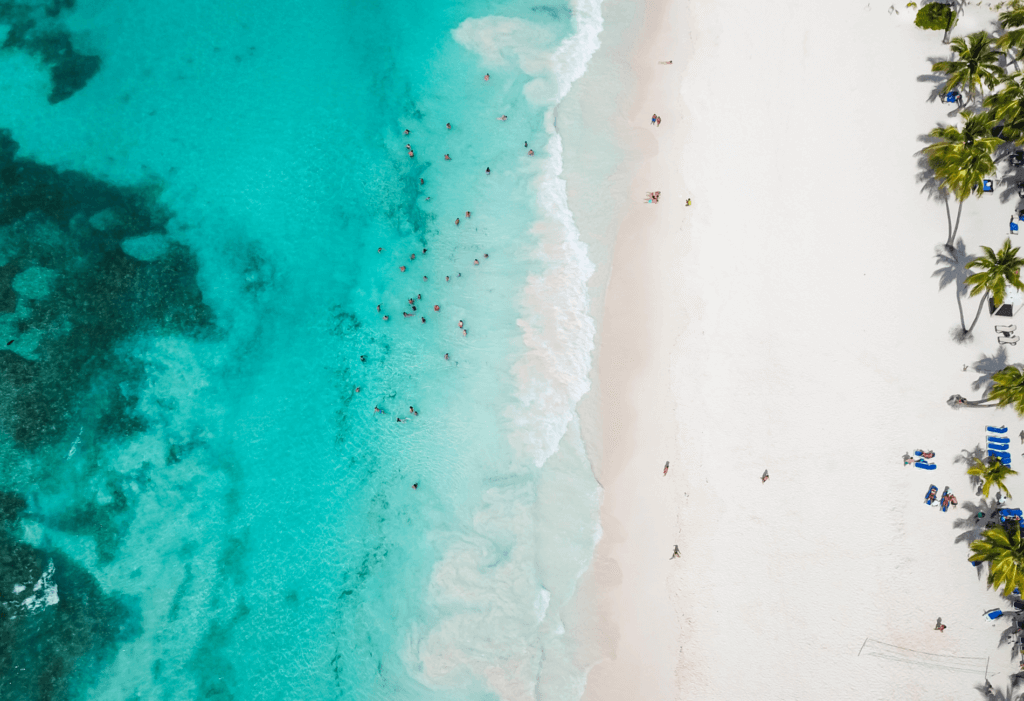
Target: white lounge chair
1008 340
1006 329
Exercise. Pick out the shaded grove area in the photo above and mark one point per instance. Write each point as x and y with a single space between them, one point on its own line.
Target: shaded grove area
70 292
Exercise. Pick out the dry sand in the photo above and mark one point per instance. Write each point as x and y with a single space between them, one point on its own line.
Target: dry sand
790 320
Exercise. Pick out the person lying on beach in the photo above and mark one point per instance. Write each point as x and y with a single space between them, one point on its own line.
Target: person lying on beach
665 63
654 118
675 553
666 469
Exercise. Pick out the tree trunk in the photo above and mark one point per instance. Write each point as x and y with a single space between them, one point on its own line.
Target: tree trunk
954 227
978 315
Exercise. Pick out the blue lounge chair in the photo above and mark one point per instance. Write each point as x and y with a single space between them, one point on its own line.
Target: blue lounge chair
986 185
929 497
924 465
976 564
944 499
992 445
993 615
994 429
1005 457
998 439
952 96
1011 512
1013 227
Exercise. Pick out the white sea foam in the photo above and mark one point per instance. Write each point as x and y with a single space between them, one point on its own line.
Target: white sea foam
499 589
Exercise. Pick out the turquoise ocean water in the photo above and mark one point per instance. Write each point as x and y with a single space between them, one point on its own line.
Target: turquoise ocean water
198 499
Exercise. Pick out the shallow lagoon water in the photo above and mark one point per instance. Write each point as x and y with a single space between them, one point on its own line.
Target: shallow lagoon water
196 501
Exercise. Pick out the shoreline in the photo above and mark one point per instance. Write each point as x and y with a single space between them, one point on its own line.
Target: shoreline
635 639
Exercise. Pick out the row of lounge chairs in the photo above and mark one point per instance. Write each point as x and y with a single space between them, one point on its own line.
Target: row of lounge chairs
998 443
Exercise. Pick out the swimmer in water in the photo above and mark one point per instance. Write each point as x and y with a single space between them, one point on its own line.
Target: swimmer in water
447 157
460 323
447 278
357 389
526 144
486 256
449 125
378 307
446 356
456 221
362 358
476 262
412 257
406 132
419 296
424 278
406 314
380 249
488 170
437 307
468 215
385 317
487 76
398 419
411 302
421 181
376 410
503 118
464 332
530 152
415 485
412 155
402 268
423 319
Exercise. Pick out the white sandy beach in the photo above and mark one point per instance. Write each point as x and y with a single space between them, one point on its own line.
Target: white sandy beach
790 320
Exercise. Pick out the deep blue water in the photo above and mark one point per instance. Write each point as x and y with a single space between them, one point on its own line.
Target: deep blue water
198 498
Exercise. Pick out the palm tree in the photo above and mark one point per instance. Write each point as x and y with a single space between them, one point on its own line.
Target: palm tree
962 159
976 64
997 270
990 472
1006 106
1012 40
1003 551
1007 390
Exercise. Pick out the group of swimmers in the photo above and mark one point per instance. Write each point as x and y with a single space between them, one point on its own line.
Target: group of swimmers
413 301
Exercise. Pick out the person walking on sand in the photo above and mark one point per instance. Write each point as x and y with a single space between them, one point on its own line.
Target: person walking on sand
665 472
654 118
675 553
659 121
687 201
764 477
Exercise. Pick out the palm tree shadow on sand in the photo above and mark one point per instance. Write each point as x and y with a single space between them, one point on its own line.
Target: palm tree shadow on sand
987 366
999 694
951 269
971 526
